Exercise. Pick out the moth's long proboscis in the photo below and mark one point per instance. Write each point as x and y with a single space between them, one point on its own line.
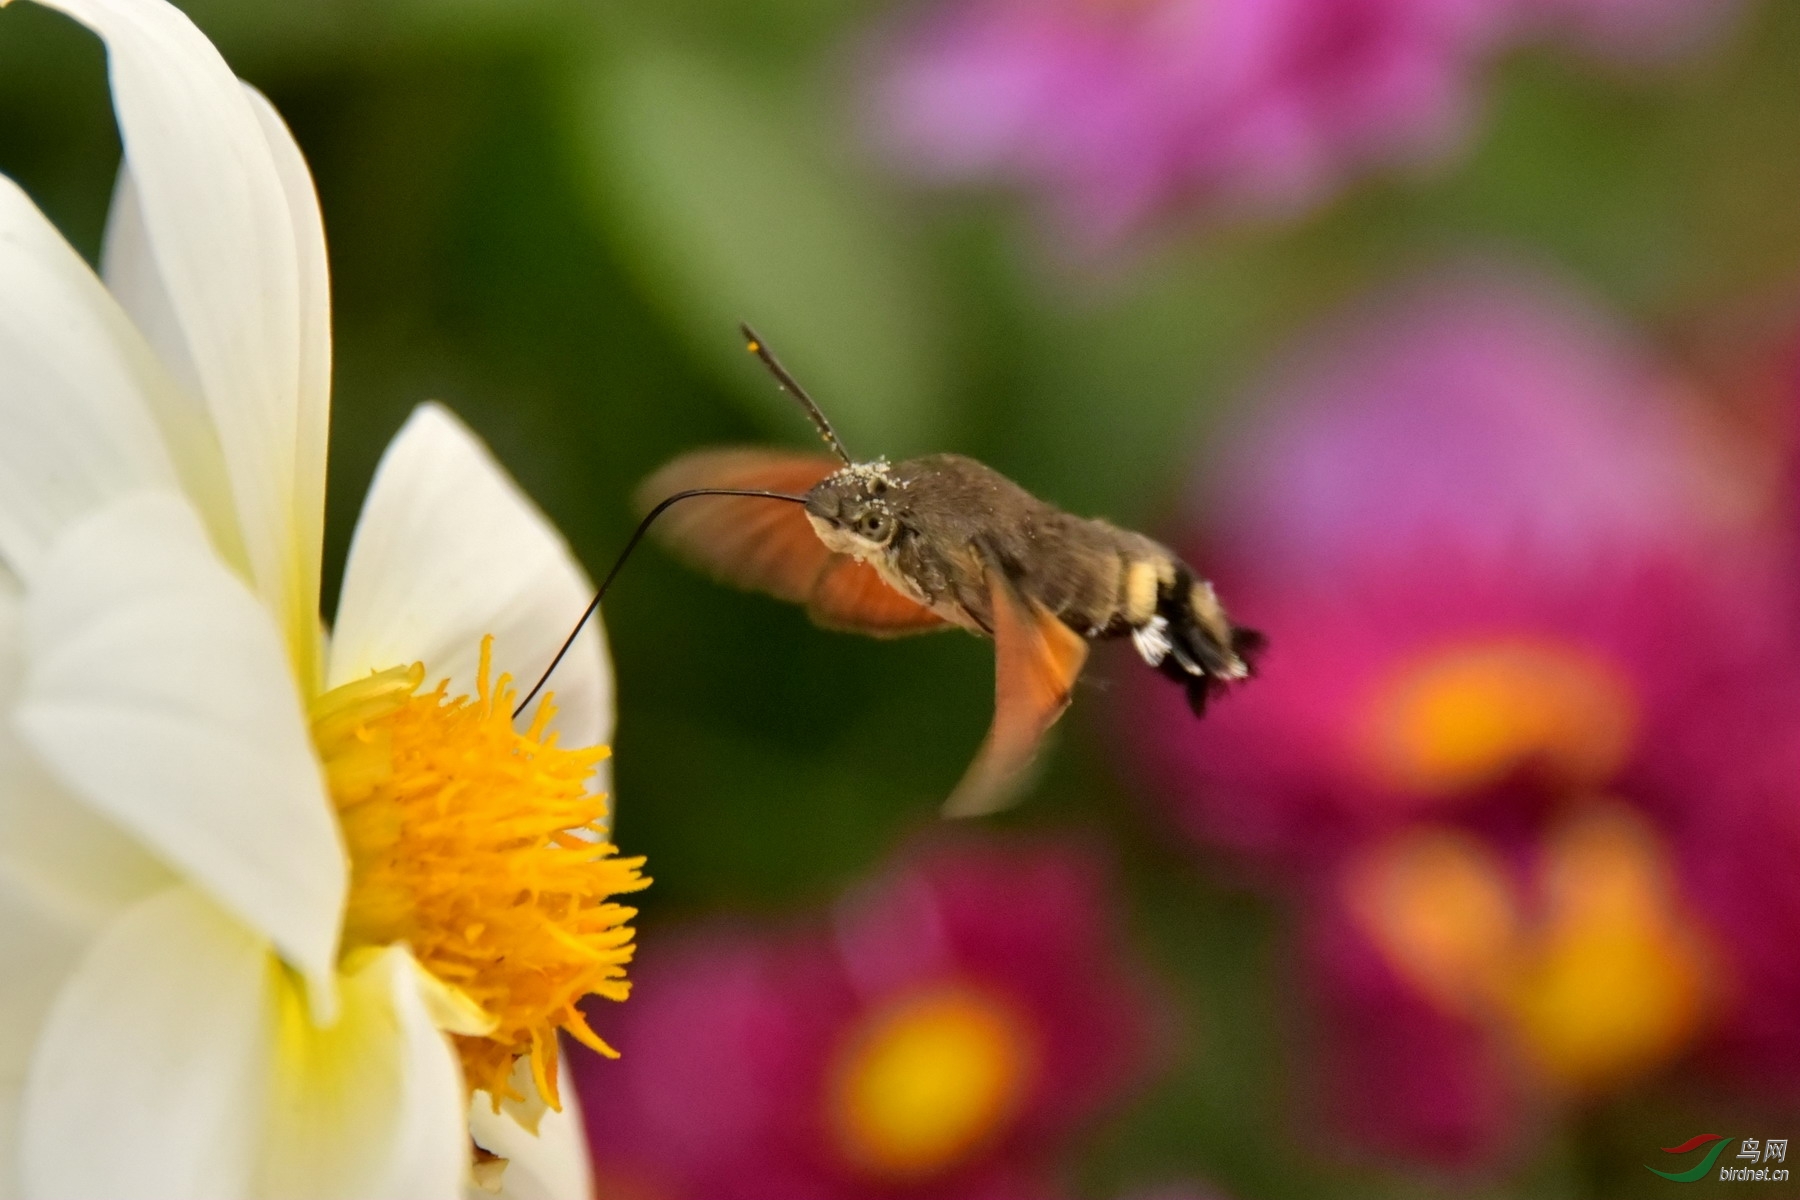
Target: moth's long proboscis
618 564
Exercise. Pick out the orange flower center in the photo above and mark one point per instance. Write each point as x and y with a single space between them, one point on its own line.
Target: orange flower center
1467 716
483 850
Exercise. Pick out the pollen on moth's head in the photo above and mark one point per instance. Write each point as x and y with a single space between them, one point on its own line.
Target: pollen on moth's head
483 849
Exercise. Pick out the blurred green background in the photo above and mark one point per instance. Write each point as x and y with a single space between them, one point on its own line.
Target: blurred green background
551 214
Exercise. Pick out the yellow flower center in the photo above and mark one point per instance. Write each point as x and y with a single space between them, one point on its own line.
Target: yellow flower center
483 850
927 1078
1600 976
1619 977
1441 908
1466 717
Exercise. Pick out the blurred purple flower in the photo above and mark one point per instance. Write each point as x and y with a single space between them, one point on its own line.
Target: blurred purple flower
1526 612
963 1014
1120 108
1487 539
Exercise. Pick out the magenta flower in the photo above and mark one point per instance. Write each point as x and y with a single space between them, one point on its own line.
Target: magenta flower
957 1020
1527 618
1486 541
1118 109
1739 861
1469 986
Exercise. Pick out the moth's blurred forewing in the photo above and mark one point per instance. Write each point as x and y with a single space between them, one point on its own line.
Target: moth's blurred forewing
764 545
852 596
1036 661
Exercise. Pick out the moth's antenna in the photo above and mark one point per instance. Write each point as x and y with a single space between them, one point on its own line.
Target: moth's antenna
636 537
792 387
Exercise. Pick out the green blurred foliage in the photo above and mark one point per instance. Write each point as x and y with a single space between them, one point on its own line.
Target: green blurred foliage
551 214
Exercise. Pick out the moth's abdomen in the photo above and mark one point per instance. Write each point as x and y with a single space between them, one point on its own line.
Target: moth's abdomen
1180 628
1105 582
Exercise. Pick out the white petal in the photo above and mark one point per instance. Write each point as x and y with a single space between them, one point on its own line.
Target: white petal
56 854
218 223
43 938
449 549
157 690
61 853
41 944
312 422
150 1080
75 380
40 949
135 283
549 1165
453 1010
371 1108
11 1099
132 276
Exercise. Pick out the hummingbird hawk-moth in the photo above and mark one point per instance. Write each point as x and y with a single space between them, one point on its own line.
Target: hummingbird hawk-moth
940 542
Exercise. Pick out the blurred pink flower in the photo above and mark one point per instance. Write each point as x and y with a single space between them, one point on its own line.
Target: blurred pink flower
1120 108
1496 553
962 1015
1527 614
1468 986
1738 861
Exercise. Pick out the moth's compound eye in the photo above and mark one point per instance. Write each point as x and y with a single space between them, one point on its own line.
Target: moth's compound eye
874 526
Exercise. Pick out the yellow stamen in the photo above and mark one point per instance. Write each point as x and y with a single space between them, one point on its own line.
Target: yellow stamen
484 851
928 1078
